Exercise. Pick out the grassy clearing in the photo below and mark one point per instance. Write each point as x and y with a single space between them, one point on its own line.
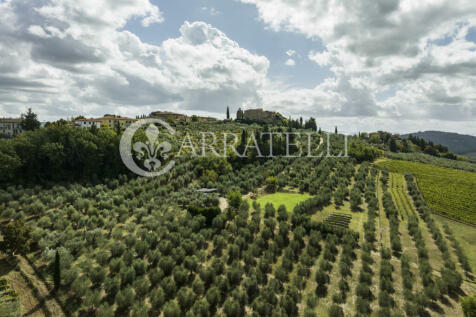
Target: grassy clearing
289 200
446 191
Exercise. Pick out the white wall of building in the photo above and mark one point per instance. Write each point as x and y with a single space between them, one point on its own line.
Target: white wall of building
88 123
10 127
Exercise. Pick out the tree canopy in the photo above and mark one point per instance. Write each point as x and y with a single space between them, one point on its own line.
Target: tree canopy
29 121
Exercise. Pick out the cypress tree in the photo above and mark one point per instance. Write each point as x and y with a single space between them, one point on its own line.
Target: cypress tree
393 145
29 121
228 113
57 272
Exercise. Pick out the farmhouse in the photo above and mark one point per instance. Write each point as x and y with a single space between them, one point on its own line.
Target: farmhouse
260 115
169 116
87 123
113 121
10 126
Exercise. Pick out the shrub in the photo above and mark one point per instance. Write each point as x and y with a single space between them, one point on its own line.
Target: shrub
213 296
112 286
362 305
140 266
125 298
97 275
80 286
105 310
232 308
234 199
355 198
336 311
141 287
185 297
70 275
157 298
169 287
16 237
271 184
128 275
468 304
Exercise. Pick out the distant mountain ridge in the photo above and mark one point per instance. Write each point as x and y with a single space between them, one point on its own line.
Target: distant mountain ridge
457 143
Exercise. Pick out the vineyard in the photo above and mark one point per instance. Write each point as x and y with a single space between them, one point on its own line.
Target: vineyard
432 160
447 191
9 302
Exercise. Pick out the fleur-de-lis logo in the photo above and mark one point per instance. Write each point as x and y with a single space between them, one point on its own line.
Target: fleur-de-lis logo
152 153
151 149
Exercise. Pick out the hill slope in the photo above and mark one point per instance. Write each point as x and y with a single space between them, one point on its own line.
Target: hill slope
446 191
456 143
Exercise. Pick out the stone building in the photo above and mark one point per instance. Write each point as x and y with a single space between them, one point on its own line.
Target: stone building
260 115
169 116
205 119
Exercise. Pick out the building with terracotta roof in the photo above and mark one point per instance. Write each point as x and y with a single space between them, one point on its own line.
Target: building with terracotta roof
88 123
10 126
113 121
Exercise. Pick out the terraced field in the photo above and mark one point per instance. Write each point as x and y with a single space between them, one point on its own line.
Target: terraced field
447 191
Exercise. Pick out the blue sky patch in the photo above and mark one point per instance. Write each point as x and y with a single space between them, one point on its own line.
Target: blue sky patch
240 22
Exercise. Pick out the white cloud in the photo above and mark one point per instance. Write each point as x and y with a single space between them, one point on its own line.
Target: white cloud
290 62
388 45
211 11
320 58
334 97
37 30
65 59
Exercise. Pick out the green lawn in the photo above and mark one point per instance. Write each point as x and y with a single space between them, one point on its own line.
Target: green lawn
289 200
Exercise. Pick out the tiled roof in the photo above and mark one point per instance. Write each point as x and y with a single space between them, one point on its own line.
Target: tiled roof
87 120
10 120
166 113
114 118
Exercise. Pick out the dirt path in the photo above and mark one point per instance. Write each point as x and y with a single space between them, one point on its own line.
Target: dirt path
36 300
222 203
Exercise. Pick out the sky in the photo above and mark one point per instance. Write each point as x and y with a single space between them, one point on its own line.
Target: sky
395 65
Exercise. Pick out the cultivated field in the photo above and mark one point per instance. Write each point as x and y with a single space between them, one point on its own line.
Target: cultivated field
446 191
466 236
136 247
